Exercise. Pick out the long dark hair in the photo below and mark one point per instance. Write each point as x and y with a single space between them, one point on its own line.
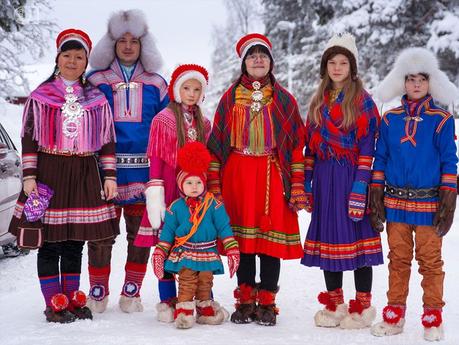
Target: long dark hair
69 45
177 110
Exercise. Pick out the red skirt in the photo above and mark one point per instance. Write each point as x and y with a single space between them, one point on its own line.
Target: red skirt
244 187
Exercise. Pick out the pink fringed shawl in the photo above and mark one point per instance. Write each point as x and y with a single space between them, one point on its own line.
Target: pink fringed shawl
43 118
163 141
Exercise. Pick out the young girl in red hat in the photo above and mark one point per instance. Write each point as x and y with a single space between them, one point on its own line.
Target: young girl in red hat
179 123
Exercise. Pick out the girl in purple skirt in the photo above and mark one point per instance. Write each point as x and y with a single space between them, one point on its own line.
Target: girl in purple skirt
341 126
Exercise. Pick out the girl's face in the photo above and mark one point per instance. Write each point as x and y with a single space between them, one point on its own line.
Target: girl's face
338 69
72 63
193 186
257 65
190 92
416 86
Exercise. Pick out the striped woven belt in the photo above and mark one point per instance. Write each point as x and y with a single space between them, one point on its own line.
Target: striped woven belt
407 193
65 153
132 160
199 245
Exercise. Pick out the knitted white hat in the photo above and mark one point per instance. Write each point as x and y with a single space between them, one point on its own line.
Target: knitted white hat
134 22
414 61
343 43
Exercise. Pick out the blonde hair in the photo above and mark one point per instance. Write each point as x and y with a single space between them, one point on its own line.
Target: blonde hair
180 123
352 89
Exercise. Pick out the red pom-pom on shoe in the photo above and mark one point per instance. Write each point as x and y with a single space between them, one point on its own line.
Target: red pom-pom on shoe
324 298
355 306
266 297
431 318
206 311
59 302
392 314
78 298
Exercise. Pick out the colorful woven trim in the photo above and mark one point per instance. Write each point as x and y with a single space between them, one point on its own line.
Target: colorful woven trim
343 251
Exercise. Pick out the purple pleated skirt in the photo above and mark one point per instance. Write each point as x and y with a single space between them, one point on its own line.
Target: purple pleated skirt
335 242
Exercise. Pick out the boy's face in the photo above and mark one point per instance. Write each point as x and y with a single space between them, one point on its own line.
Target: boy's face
416 86
193 186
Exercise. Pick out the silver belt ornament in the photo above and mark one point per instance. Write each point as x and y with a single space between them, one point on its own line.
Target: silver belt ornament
72 112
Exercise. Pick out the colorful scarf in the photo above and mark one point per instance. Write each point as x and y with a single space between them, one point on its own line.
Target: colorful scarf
163 142
286 119
43 118
330 140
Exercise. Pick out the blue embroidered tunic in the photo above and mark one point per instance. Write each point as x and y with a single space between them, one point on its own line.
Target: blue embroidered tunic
415 151
135 98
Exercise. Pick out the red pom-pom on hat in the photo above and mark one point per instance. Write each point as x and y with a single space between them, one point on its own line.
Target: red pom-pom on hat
183 73
250 40
74 35
193 159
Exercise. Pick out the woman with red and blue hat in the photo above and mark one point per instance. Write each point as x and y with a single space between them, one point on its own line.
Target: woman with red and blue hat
258 170
66 123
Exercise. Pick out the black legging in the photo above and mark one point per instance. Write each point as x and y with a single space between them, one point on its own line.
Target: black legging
67 252
363 278
269 271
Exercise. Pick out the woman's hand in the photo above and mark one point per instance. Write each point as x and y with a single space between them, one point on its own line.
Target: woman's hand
110 189
30 186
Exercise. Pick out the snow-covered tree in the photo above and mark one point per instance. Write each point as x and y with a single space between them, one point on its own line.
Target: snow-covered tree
382 28
243 17
25 32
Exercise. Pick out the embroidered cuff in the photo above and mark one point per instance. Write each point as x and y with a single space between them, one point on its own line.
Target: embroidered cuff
108 165
155 183
448 181
164 246
29 164
378 179
229 243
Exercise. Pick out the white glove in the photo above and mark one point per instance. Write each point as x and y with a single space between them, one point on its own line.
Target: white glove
156 206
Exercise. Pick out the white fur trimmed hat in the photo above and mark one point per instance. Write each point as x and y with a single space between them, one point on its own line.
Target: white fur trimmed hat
134 22
186 72
414 61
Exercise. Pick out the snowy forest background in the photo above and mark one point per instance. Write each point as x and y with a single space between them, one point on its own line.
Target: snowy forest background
298 30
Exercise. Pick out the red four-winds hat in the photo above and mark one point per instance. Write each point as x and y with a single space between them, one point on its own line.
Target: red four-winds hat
250 40
74 35
184 73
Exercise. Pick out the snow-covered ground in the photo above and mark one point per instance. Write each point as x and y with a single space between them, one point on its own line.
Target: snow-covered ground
22 320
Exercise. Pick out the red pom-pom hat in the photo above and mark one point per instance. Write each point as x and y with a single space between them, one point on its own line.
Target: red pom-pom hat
184 73
74 35
193 159
250 40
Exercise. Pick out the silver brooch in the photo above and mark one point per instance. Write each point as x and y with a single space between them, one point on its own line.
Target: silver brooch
72 111
257 97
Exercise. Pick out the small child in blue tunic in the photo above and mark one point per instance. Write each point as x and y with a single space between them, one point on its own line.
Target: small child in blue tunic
188 241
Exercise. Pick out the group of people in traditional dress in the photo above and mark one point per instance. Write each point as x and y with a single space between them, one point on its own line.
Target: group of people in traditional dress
121 141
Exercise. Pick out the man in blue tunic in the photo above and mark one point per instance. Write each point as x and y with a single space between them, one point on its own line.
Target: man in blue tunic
126 61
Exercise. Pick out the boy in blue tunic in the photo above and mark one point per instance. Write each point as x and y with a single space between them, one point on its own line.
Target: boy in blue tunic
414 185
188 241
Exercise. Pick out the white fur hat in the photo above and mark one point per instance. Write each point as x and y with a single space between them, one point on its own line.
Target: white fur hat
414 61
134 22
